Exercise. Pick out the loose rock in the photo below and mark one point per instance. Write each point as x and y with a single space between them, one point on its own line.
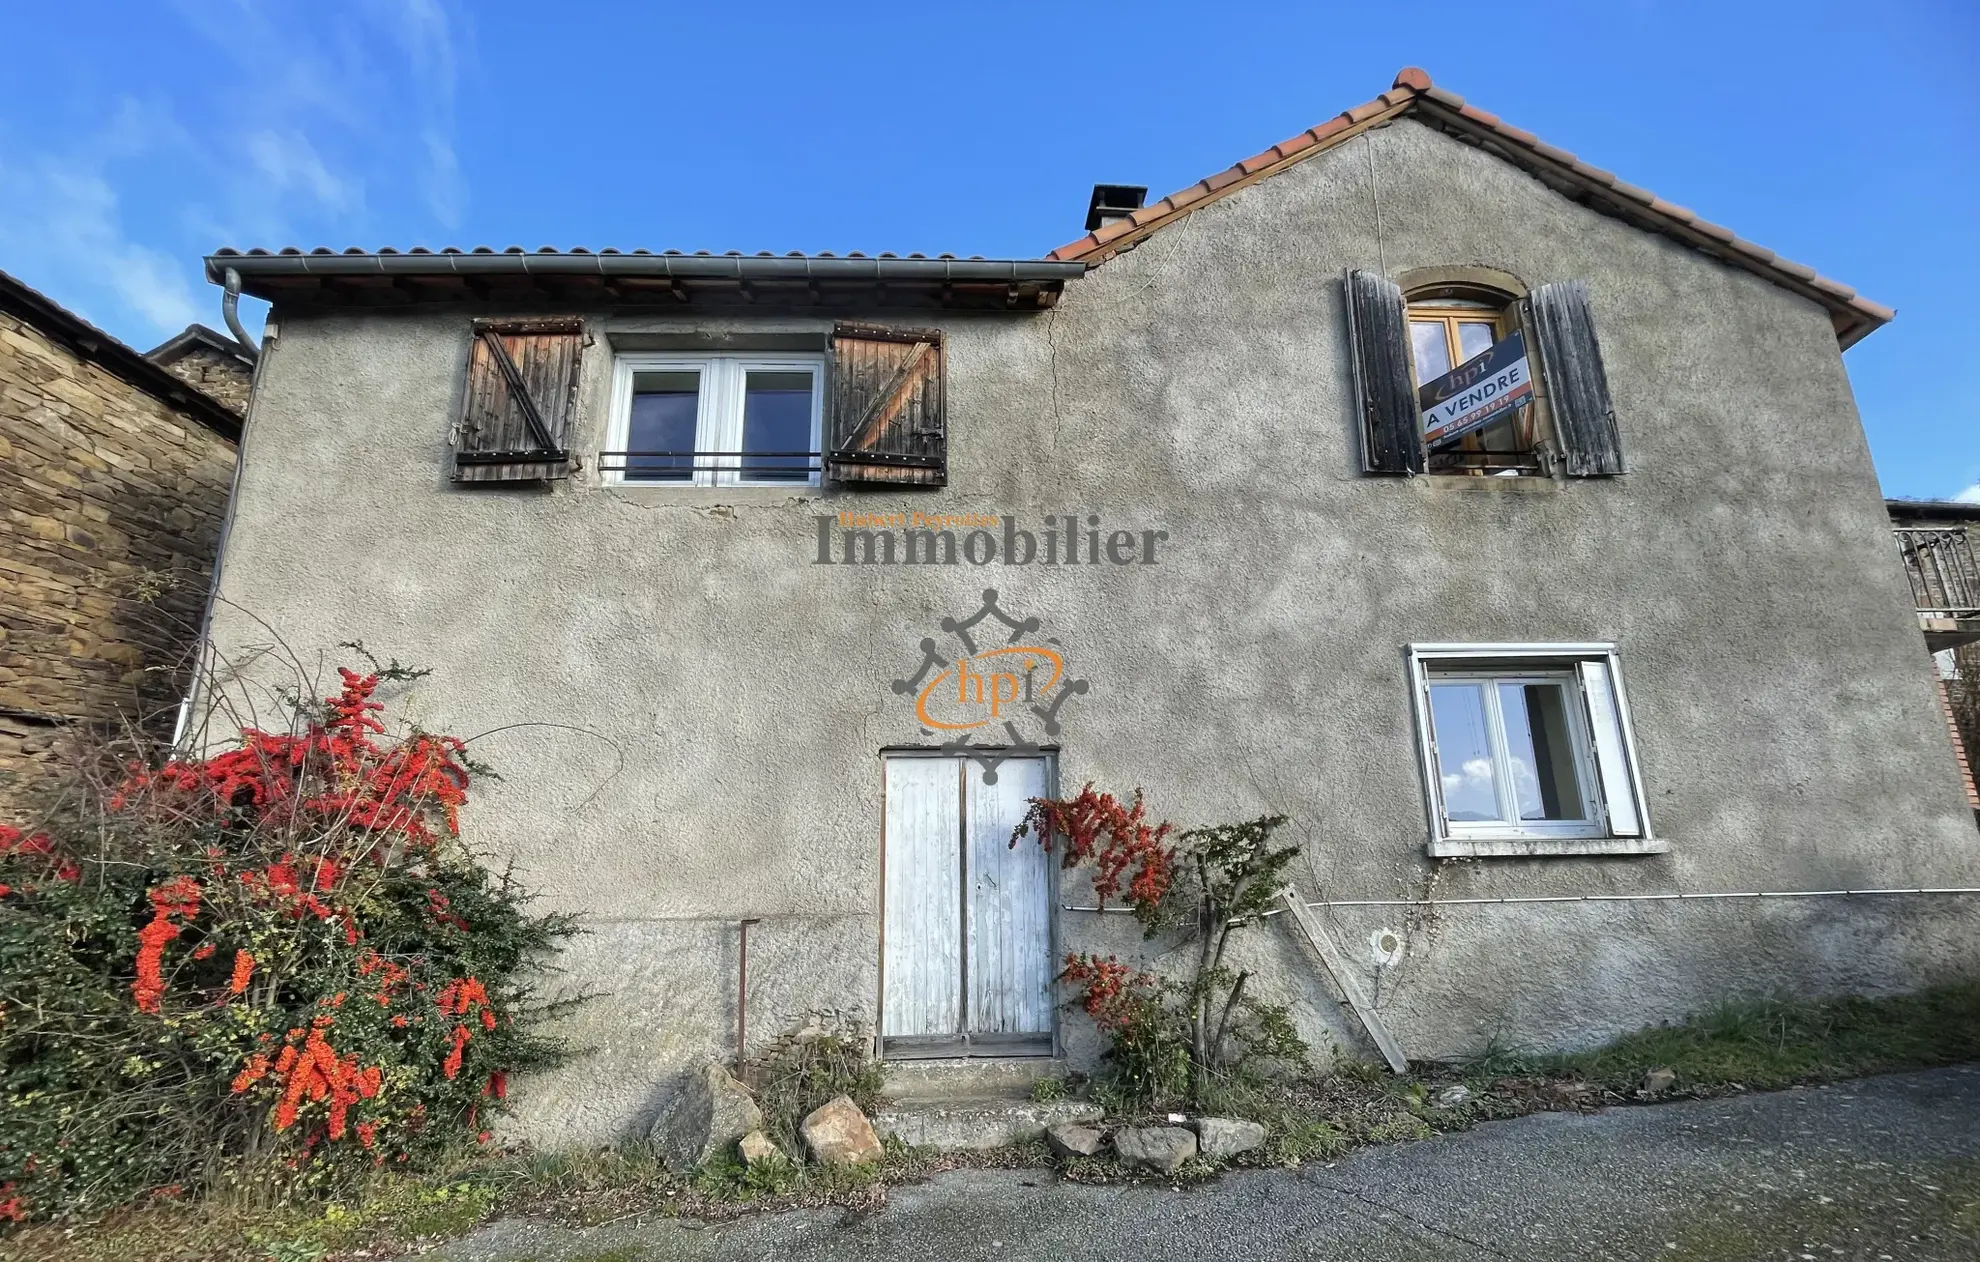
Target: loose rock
1162 1148
1451 1097
1071 1139
1658 1082
1226 1137
838 1134
756 1149
710 1113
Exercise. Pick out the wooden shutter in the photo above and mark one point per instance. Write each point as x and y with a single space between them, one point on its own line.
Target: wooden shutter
1378 347
887 422
521 396
1577 388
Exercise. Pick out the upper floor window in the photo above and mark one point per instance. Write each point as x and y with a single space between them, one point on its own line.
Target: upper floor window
1461 377
715 420
1478 413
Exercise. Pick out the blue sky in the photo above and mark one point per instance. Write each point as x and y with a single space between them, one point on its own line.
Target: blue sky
136 137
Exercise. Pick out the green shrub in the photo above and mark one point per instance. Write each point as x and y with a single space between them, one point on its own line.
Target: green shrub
272 965
802 1070
1173 1038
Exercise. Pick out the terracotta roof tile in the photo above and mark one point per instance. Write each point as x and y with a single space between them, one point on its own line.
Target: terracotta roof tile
1298 144
1414 92
1223 180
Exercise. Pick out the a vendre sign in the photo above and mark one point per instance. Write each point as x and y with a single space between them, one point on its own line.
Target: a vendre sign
1477 391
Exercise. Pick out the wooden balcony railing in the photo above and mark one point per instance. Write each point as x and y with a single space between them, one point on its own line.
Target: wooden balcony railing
1945 581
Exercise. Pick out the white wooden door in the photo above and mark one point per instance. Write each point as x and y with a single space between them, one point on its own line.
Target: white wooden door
1009 917
967 938
922 960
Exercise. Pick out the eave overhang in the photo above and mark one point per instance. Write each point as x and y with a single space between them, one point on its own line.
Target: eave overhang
390 279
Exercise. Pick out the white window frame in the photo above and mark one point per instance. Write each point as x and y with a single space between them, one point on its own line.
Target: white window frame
1606 762
718 415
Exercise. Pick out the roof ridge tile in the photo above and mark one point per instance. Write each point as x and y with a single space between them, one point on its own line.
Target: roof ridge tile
1411 89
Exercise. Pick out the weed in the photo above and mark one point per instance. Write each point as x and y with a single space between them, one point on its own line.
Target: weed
803 1070
1050 1089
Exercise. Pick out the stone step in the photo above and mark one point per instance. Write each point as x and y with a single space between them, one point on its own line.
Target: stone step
975 1078
993 1122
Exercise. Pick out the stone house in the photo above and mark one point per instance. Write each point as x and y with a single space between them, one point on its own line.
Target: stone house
114 476
1412 478
1935 542
216 364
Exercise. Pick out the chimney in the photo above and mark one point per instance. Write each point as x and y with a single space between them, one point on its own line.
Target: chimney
1113 201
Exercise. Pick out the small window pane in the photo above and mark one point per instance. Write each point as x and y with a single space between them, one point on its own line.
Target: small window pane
1431 348
1541 748
777 421
1473 340
1464 752
660 437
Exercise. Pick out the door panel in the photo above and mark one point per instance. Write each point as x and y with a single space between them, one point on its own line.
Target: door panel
1009 922
922 956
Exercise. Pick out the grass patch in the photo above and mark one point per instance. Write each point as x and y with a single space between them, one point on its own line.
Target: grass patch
1777 1043
1752 1046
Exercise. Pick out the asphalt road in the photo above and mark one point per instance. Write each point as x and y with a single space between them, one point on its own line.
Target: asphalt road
1873 1169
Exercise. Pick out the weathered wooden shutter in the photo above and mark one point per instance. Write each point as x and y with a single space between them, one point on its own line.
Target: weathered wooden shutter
1577 388
887 415
521 397
1378 347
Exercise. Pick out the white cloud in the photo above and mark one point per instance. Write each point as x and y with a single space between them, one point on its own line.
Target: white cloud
1971 495
66 232
306 125
289 163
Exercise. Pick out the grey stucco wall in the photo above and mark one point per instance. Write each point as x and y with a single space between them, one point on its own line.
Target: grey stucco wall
734 697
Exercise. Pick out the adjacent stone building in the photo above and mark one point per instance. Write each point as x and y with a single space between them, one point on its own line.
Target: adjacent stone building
114 476
219 366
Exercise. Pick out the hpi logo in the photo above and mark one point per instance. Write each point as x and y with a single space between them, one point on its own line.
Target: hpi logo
991 689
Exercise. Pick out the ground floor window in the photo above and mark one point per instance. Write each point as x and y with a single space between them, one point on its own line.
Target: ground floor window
1527 749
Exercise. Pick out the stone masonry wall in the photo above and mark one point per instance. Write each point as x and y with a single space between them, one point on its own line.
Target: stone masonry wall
221 376
110 512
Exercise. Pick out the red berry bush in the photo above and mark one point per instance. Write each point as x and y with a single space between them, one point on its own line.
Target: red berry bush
276 961
1173 1038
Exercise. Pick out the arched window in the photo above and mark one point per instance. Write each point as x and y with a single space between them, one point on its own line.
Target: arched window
1450 326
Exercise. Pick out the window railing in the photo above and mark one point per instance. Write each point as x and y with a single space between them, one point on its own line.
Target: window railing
1939 562
683 466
